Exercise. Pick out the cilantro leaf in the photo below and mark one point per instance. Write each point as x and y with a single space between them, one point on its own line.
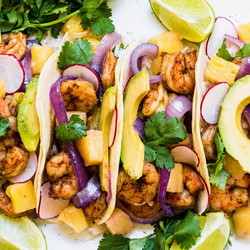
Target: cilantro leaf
187 231
102 25
137 244
4 124
78 52
219 179
160 132
223 52
244 52
116 242
73 130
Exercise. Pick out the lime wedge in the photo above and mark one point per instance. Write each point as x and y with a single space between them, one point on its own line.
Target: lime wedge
20 234
192 19
214 235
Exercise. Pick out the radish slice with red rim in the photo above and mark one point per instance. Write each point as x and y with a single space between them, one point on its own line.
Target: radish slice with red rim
29 171
211 102
49 208
113 128
12 73
222 26
83 72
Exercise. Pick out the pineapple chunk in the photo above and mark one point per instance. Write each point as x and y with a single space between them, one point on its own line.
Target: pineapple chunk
241 220
2 89
73 25
156 66
22 196
175 183
244 32
39 56
91 147
73 217
82 115
220 70
119 222
169 42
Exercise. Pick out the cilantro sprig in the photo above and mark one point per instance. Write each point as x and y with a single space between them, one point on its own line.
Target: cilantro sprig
73 130
218 176
183 229
159 133
4 124
77 52
39 16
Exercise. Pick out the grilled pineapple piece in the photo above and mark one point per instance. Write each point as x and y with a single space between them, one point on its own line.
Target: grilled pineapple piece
244 32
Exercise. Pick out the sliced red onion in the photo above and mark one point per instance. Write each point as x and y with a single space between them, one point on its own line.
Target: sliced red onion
107 42
144 49
164 178
89 194
113 128
235 41
139 127
150 220
244 68
246 113
178 107
61 116
27 63
29 171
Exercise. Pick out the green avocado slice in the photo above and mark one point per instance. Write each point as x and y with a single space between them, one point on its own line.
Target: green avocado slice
132 150
237 144
27 119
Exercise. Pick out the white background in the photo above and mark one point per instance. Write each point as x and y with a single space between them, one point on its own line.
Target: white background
134 19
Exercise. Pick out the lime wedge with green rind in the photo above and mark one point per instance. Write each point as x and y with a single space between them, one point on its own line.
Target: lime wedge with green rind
192 19
20 233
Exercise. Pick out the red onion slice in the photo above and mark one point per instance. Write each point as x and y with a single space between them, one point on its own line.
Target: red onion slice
234 41
150 220
139 127
29 171
144 49
164 178
244 68
12 73
113 128
107 42
246 113
61 116
178 107
89 194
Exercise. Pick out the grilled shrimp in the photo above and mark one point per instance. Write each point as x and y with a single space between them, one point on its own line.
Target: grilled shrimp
14 44
95 209
108 72
61 174
207 136
156 100
78 95
138 192
178 72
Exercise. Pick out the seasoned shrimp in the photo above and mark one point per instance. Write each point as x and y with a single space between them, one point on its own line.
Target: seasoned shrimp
95 209
191 179
14 163
78 95
207 136
108 72
14 44
178 72
65 188
141 191
156 100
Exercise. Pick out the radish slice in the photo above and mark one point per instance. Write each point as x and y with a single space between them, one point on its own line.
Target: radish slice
48 207
222 26
113 128
12 73
211 102
185 154
83 72
29 171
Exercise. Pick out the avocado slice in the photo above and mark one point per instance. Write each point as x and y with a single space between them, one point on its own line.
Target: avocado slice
104 124
132 150
236 142
27 119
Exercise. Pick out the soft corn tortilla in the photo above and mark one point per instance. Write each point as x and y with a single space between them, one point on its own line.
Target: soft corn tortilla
49 75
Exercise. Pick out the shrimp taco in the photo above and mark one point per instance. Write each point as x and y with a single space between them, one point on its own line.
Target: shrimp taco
21 64
158 172
81 132
222 118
